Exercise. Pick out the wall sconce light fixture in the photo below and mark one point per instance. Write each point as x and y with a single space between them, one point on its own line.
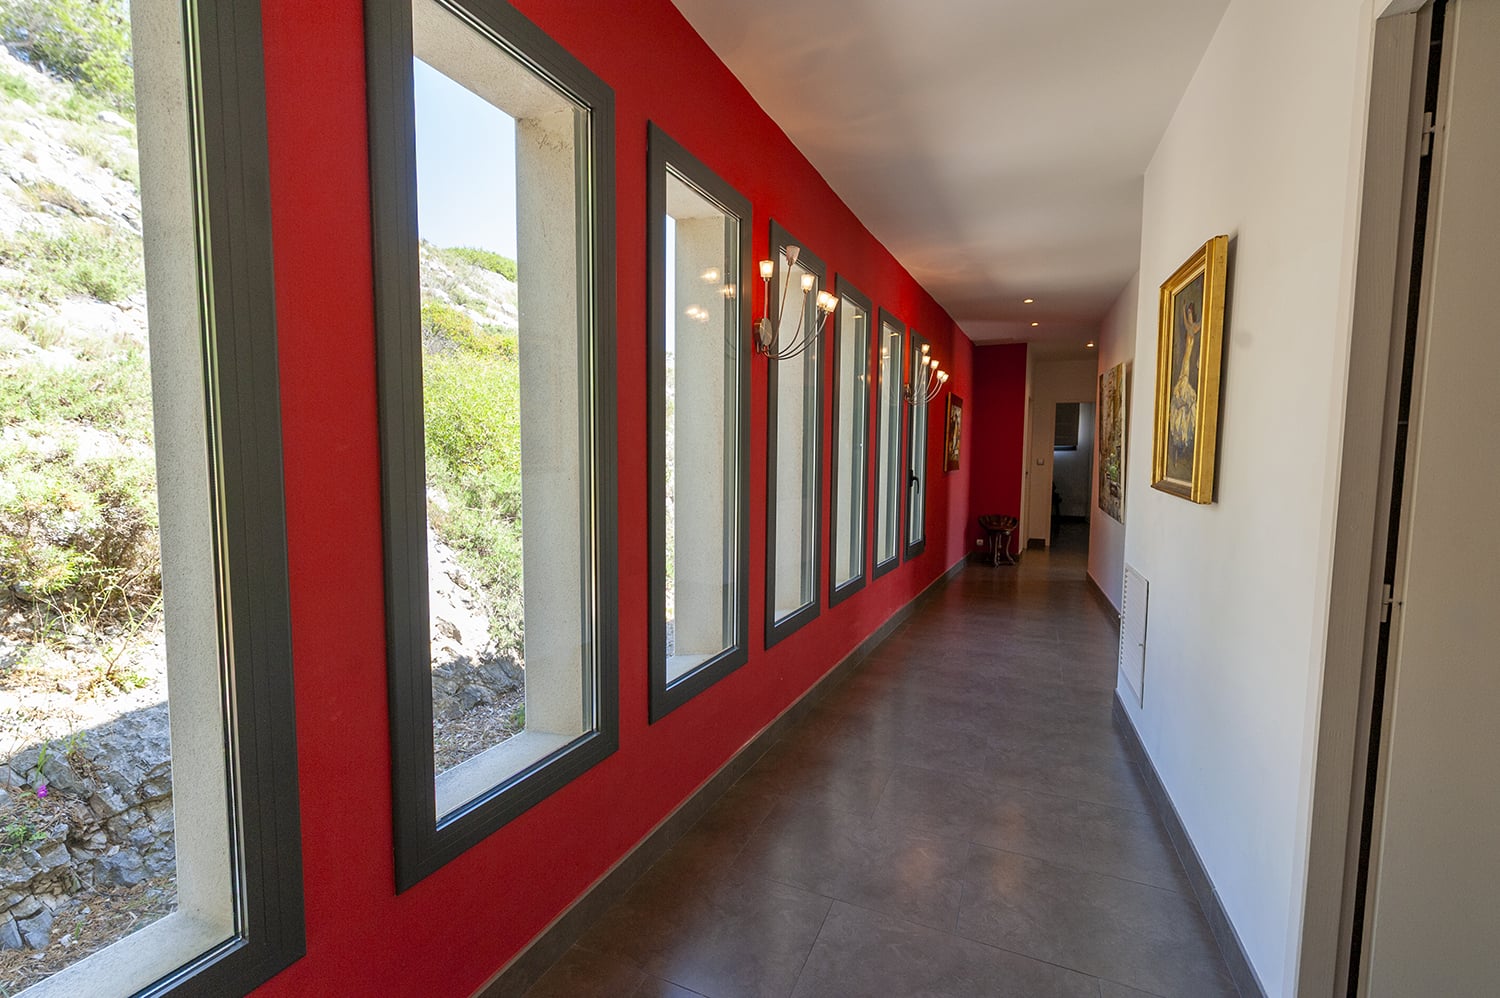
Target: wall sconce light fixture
768 329
926 380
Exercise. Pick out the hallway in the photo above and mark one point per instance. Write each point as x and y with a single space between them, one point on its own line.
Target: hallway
960 817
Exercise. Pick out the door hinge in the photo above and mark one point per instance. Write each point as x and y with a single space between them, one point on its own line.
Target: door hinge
1387 600
1429 129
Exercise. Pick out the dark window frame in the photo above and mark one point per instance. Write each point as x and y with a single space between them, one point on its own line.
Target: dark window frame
900 466
912 549
423 842
663 154
846 290
242 407
812 451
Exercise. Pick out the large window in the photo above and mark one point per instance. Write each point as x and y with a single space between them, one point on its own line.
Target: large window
794 444
699 252
149 834
890 473
916 452
851 438
495 299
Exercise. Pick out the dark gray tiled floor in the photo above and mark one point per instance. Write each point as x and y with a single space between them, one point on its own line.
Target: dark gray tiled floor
959 818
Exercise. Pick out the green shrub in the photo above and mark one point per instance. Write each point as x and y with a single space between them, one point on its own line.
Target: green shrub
473 435
87 258
483 259
85 41
78 534
442 324
18 87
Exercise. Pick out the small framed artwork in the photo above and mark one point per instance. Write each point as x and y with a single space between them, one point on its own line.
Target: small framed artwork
951 438
1112 410
1187 374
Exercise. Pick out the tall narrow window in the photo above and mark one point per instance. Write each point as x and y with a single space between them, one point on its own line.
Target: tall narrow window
916 452
150 827
851 438
699 251
794 445
497 415
890 473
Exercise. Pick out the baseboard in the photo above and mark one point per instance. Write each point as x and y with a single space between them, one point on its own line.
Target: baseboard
1235 958
526 967
1110 610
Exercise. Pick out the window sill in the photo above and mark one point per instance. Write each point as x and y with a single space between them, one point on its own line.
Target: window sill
134 962
476 777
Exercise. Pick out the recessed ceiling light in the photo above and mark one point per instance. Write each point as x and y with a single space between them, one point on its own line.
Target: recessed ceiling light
1090 343
1036 323
1028 301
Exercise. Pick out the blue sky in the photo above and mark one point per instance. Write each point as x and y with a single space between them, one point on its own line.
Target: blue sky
466 166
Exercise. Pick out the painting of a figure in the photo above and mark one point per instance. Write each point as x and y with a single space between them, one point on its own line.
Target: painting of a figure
1112 409
1187 374
954 432
1182 424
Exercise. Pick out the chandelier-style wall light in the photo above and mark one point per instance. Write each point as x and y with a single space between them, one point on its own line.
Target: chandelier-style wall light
768 329
927 380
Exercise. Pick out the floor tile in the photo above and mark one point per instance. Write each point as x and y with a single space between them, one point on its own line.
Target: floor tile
586 972
1143 936
740 938
860 954
881 866
959 816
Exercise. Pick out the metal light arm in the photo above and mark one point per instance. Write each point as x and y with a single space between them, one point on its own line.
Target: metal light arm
768 329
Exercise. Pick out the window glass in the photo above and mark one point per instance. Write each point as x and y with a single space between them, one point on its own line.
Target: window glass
889 473
797 420
698 359
503 349
120 860
916 449
851 436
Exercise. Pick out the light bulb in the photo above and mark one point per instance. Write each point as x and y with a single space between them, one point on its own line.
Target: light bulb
767 268
808 280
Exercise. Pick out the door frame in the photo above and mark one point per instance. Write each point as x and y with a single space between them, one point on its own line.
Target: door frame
1361 530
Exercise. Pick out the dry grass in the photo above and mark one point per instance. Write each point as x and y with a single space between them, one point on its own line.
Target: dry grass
475 730
89 921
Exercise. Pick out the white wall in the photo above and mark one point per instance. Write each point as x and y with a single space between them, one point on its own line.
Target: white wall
1052 381
1106 534
1266 145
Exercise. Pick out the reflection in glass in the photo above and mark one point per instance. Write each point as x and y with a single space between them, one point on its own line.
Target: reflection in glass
702 486
889 475
851 430
797 427
916 528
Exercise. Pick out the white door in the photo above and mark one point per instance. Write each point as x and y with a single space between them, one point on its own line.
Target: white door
1433 925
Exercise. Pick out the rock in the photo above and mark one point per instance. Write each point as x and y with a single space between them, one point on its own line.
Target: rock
28 907
110 118
36 931
53 855
10 936
475 696
123 869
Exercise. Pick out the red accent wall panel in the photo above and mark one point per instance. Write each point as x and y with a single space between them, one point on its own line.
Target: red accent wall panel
998 428
451 932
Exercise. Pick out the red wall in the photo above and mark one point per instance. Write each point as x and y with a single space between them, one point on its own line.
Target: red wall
451 932
997 435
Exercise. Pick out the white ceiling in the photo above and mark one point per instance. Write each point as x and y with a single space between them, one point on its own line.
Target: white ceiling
996 147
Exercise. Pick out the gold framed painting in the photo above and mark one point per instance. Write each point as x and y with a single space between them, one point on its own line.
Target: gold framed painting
1189 338
952 438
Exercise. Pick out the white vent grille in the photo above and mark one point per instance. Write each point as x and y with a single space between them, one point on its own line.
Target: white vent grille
1133 601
